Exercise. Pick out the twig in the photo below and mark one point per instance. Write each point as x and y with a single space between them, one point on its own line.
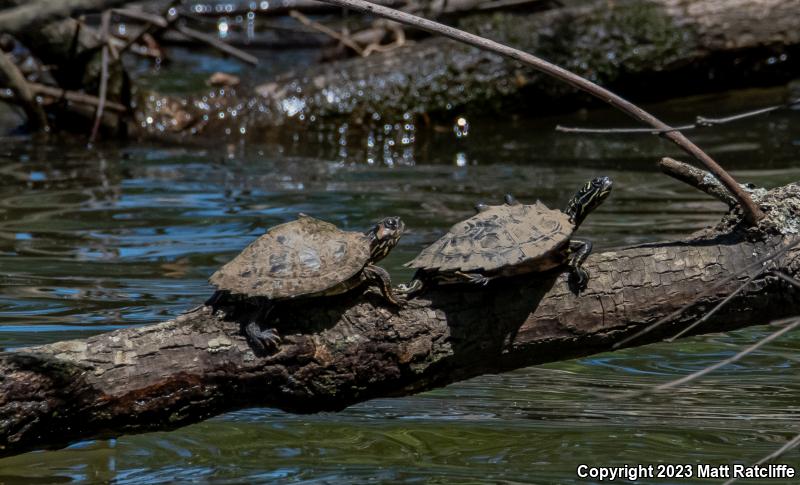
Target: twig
717 307
399 41
344 39
794 322
752 213
162 22
697 178
219 45
790 445
11 76
169 22
700 122
786 278
104 26
75 97
717 286
145 17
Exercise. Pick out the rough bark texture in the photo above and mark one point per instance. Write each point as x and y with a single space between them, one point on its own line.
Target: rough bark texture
645 49
341 350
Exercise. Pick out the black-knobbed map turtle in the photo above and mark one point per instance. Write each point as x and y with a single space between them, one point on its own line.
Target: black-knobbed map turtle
511 239
306 258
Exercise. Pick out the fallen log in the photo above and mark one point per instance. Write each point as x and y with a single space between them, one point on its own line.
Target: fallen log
644 49
647 49
342 350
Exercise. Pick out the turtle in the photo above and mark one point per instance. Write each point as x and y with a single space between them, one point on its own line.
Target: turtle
305 258
511 239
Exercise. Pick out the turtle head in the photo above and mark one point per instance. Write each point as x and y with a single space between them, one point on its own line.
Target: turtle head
384 236
588 198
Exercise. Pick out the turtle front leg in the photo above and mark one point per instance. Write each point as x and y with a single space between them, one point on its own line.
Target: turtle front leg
381 278
264 340
579 250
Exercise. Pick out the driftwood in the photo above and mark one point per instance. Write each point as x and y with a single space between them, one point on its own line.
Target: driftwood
341 350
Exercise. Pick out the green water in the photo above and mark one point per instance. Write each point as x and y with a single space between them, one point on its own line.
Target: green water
93 240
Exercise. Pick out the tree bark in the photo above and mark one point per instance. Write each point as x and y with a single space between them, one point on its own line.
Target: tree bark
338 351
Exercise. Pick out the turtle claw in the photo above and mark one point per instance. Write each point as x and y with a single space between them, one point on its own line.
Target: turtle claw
478 279
265 341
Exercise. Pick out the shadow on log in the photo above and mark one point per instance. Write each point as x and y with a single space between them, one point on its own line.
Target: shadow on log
343 350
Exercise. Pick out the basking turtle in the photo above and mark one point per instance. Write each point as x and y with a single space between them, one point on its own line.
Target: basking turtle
306 258
511 239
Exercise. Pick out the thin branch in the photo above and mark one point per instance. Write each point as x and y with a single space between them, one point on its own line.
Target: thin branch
217 44
708 292
752 213
11 76
151 20
104 26
792 444
612 131
700 122
71 96
717 307
786 278
145 17
793 322
344 39
699 179
169 23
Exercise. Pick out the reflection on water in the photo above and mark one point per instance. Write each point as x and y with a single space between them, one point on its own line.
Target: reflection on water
92 241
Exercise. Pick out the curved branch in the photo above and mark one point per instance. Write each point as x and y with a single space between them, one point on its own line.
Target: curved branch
751 211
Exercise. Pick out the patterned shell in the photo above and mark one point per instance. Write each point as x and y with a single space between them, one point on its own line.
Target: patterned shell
293 259
501 236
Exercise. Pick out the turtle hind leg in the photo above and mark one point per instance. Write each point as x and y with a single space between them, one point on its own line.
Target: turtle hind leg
381 278
579 250
267 340
474 278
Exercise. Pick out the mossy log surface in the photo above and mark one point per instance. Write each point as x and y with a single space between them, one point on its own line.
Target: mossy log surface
341 350
643 49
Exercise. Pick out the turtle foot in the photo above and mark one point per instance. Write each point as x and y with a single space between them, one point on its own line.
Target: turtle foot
578 280
477 279
265 341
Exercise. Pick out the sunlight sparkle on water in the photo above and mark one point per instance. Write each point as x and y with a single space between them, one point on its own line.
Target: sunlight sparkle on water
461 127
